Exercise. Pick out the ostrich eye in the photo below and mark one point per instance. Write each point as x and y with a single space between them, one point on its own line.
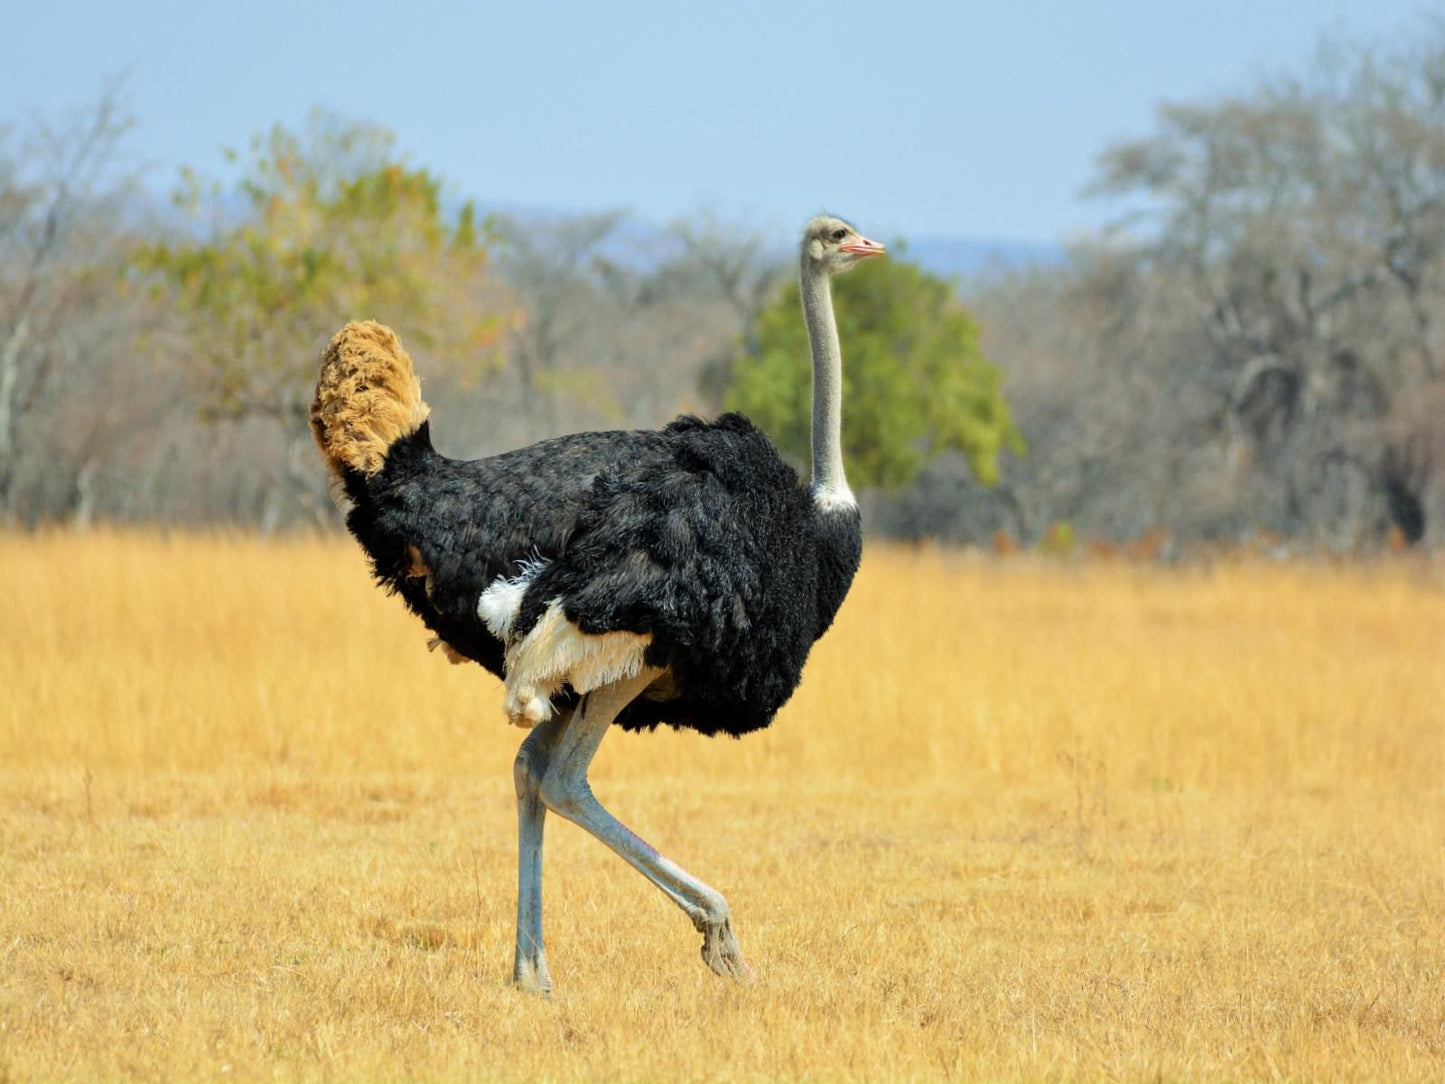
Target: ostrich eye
838 235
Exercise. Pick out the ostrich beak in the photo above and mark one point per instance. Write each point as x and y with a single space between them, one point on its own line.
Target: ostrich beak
863 247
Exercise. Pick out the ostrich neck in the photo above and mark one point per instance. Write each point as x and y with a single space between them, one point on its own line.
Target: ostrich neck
830 487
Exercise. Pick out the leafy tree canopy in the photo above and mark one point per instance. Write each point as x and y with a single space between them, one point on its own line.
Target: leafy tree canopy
322 227
915 382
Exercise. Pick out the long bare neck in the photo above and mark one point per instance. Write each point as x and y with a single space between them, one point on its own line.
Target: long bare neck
830 487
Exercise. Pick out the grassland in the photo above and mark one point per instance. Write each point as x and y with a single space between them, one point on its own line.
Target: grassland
1022 822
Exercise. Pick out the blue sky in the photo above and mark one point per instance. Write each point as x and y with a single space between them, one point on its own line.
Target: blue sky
976 119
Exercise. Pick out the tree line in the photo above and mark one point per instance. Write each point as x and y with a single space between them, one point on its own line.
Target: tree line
1255 346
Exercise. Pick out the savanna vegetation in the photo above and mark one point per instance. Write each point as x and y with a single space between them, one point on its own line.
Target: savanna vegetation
1255 348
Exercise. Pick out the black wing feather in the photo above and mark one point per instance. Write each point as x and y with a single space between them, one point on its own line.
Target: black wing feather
710 550
698 533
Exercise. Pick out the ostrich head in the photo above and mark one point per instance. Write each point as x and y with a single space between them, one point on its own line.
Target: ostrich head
832 245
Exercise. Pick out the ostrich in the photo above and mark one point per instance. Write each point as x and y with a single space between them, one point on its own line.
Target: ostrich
675 576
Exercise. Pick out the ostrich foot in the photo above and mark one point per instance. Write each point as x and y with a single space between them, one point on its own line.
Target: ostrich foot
531 976
720 951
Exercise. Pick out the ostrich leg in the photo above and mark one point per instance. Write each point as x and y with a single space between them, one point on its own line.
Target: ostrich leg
565 791
529 970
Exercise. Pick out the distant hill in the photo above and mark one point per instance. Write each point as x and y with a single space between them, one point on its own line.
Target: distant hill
965 257
638 242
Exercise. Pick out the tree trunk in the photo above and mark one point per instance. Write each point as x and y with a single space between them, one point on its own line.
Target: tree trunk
9 387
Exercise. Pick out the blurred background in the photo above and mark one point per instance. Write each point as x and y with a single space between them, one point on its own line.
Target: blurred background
1163 275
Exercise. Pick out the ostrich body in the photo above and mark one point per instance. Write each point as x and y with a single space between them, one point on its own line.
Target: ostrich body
675 576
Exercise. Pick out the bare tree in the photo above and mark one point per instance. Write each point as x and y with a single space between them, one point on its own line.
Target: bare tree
549 262
735 265
1308 219
619 323
1249 347
63 189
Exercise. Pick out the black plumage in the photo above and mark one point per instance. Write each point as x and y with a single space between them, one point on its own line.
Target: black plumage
699 534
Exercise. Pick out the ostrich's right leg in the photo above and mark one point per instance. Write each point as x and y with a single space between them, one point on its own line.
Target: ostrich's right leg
565 791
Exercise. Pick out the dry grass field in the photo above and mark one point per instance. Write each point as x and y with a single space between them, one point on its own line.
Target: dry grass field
1023 821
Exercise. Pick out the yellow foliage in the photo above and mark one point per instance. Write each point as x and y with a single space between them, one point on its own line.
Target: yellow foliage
1023 821
333 226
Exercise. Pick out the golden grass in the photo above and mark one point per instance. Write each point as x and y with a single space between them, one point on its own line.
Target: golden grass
1021 822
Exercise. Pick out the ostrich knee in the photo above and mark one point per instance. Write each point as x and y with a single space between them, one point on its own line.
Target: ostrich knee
530 766
526 774
563 793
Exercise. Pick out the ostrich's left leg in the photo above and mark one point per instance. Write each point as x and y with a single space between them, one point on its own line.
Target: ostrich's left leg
565 791
529 969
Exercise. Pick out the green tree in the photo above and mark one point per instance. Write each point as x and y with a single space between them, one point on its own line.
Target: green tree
915 382
322 227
